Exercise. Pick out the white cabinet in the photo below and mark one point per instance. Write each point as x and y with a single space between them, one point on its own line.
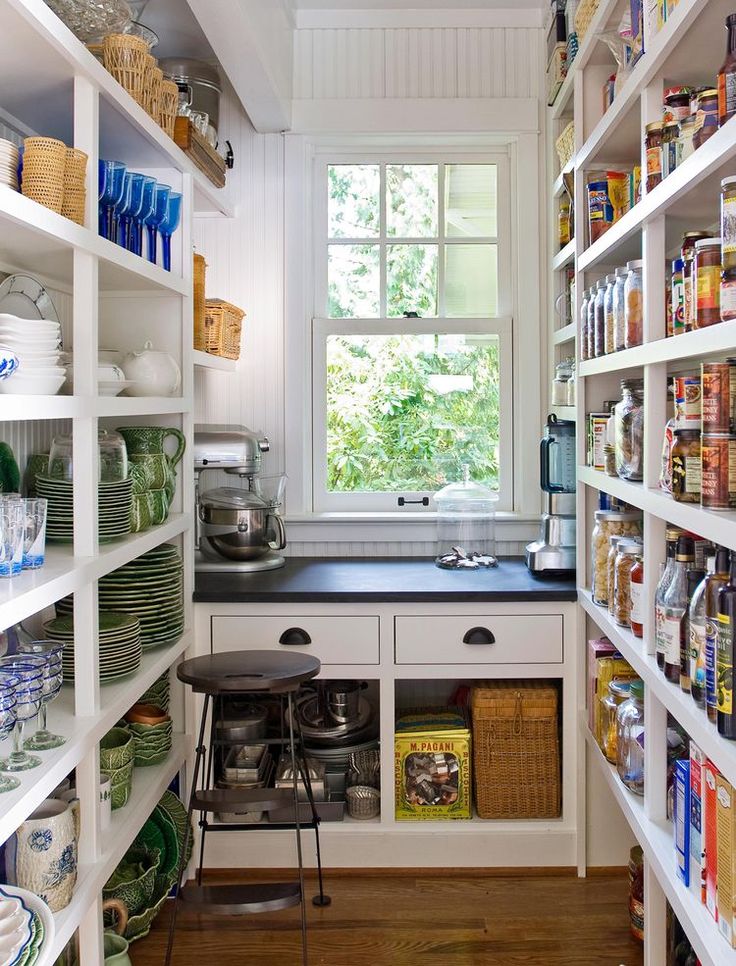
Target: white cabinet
334 640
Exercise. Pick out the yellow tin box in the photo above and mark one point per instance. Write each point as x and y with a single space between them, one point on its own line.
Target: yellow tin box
432 774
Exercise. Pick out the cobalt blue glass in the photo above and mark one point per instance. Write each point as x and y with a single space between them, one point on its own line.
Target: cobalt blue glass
168 226
160 207
148 193
114 187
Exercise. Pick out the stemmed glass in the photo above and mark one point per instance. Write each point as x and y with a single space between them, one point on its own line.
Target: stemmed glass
28 671
121 209
53 678
7 724
133 211
112 194
168 226
160 206
148 192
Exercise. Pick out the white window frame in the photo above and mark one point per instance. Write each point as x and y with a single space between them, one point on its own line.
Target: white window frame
500 325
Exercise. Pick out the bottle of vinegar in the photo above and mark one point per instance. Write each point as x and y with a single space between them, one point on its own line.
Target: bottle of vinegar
725 655
714 582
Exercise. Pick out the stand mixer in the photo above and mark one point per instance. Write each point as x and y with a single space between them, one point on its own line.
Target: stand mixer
239 529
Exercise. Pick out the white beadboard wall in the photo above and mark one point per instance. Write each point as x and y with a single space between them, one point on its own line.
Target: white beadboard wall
437 62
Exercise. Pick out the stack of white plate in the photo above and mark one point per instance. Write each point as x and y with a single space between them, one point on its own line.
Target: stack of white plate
36 344
9 164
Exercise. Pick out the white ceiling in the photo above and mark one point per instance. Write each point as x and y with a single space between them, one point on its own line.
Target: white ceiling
419 4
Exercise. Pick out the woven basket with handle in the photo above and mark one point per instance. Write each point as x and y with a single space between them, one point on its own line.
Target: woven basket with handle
200 333
223 325
516 749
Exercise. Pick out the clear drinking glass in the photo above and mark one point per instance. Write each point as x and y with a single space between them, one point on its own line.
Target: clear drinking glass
28 672
53 678
7 724
12 520
34 533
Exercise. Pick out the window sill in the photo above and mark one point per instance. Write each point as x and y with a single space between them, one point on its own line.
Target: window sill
410 527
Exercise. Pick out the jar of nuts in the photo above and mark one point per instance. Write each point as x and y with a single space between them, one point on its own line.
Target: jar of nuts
610 565
609 523
627 551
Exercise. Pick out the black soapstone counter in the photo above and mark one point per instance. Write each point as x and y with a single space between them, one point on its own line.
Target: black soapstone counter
341 580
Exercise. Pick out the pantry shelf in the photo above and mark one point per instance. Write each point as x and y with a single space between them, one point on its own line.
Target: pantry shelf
564 335
207 361
564 257
656 841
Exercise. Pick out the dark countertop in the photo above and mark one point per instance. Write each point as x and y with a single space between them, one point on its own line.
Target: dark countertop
379 579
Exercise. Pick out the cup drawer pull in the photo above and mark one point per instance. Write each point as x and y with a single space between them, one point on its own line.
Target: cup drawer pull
479 635
295 636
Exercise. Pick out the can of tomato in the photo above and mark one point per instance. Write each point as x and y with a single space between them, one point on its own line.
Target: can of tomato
718 480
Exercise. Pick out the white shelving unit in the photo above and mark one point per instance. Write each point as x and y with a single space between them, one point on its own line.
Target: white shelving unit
206 361
686 50
50 84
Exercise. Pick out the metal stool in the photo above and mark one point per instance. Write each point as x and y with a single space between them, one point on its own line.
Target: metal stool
227 675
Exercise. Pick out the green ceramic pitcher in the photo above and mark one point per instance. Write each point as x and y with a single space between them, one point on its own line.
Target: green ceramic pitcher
145 446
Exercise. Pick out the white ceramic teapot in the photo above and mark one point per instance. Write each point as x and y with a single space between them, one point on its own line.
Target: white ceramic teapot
152 373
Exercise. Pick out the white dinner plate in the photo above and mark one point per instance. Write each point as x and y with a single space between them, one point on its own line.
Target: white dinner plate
24 296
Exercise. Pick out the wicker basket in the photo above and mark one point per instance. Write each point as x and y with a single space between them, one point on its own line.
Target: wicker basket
516 749
200 333
44 160
152 93
223 323
583 16
75 190
125 57
167 106
565 145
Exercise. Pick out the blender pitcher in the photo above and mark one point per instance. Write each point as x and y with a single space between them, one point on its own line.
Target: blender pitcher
557 456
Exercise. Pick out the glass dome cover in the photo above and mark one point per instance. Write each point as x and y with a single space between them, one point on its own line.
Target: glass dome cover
466 514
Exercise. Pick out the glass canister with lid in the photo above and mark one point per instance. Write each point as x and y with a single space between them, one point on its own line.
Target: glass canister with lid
630 738
707 283
627 552
688 256
613 543
629 430
609 333
608 523
466 518
618 692
591 321
633 304
619 310
584 353
599 315
563 374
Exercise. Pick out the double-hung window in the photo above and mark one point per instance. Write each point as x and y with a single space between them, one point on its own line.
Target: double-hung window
412 335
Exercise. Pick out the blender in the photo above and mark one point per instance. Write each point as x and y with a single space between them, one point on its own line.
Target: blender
553 554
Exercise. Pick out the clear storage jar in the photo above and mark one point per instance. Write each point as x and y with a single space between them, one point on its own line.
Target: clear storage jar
630 739
618 692
608 523
466 525
629 430
608 314
634 304
627 551
619 310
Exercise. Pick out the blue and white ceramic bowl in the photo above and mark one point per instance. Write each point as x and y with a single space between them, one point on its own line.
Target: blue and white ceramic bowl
8 362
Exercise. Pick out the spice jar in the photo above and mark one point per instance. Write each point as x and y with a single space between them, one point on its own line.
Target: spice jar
686 468
688 255
706 121
630 738
608 523
653 146
707 283
619 310
629 430
609 338
613 543
618 692
563 373
636 590
633 304
627 550
677 289
676 103
584 326
670 135
599 315
728 224
685 140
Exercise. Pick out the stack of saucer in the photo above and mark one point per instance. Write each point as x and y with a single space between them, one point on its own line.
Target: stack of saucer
36 345
9 164
114 501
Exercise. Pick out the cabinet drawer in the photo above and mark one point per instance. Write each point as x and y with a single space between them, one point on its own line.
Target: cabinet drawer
523 639
334 640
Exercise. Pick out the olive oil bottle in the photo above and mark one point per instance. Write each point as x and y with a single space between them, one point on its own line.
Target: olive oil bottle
725 655
714 583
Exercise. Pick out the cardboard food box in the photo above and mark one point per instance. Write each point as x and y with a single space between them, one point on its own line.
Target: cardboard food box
710 776
681 818
726 858
432 765
698 832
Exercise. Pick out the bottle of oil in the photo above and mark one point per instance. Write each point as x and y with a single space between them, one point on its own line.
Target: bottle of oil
674 607
714 582
725 655
697 637
671 535
694 579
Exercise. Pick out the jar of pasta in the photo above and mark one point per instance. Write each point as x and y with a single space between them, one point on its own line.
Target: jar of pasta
626 554
633 304
629 430
609 523
618 692
613 543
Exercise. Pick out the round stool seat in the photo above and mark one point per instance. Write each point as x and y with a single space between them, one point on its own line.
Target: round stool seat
244 671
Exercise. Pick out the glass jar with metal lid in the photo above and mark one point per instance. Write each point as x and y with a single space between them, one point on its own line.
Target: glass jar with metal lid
609 336
686 466
627 552
563 374
685 140
728 224
688 255
630 738
609 523
599 314
634 304
629 430
618 692
706 123
619 310
707 283
613 543
653 147
584 326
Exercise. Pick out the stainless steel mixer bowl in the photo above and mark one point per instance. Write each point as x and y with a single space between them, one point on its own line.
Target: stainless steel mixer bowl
241 534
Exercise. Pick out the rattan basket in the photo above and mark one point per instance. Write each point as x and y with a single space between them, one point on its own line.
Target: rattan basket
583 16
75 191
516 749
152 91
200 335
167 106
223 324
125 57
565 145
44 160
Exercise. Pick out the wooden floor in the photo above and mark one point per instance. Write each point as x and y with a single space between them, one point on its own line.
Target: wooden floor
404 920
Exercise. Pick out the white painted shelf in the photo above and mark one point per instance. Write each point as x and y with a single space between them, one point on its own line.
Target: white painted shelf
566 256
564 412
598 23
564 335
207 361
657 843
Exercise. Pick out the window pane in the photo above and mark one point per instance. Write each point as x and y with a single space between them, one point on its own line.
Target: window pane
354 209
354 278
404 412
471 281
411 279
411 200
470 200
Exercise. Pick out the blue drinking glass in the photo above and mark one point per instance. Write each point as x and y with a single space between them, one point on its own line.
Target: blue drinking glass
160 206
168 226
148 193
127 225
114 186
121 209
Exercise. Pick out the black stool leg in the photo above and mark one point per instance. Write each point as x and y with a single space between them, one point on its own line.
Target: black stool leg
297 826
216 708
322 899
190 808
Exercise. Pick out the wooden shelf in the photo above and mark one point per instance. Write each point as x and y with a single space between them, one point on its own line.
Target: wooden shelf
207 361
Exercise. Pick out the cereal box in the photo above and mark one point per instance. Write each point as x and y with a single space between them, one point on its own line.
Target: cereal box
726 832
697 823
432 766
681 819
710 774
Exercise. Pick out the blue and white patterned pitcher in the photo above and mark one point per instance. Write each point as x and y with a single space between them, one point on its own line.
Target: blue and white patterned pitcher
41 855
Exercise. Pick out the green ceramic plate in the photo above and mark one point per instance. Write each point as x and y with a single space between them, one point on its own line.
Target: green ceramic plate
109 621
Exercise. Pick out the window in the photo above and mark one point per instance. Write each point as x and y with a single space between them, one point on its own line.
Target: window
412 330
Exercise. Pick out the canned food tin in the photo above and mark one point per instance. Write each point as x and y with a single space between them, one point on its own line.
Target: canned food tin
598 432
719 397
718 481
687 402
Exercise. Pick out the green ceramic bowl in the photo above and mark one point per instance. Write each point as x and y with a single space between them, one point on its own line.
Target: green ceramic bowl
116 749
121 781
134 879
